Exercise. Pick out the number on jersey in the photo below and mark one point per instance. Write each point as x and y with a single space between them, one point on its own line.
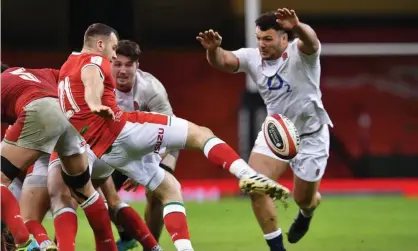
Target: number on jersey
21 72
276 83
64 90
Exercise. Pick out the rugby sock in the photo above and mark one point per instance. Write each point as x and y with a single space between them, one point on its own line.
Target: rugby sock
65 224
124 236
275 240
10 214
37 230
222 154
133 224
99 220
176 225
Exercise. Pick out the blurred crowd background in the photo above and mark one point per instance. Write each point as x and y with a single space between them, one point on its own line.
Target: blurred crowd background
369 69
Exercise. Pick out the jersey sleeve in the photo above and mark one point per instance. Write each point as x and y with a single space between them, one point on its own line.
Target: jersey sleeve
312 59
157 98
243 56
54 72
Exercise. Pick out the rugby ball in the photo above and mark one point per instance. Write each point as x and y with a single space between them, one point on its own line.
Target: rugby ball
281 136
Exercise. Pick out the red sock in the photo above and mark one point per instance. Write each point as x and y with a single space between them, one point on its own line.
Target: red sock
222 154
10 215
133 224
65 223
37 230
99 220
176 224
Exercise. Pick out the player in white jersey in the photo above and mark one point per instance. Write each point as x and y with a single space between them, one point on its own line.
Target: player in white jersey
139 90
286 71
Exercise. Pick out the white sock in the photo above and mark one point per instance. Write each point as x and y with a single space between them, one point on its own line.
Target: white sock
273 235
183 245
240 168
307 214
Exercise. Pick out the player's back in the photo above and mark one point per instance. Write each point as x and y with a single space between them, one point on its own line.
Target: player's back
20 86
99 132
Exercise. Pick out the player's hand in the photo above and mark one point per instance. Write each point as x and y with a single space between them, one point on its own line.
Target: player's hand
287 18
130 185
103 111
210 39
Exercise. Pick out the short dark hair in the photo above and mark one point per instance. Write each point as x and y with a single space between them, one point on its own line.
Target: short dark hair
267 21
99 29
4 67
128 48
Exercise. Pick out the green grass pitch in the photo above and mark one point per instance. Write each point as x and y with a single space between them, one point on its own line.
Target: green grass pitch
379 223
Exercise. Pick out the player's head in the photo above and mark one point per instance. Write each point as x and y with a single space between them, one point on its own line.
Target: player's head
101 39
4 67
126 64
272 39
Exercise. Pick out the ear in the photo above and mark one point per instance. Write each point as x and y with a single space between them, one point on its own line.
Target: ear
284 37
100 45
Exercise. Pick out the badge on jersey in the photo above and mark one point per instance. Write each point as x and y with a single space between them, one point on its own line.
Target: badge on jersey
97 60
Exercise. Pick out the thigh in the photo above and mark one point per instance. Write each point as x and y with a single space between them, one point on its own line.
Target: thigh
101 170
266 165
38 177
148 174
16 188
139 138
264 161
38 127
310 163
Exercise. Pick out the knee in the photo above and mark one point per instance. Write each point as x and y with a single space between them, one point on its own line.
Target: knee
60 198
308 201
113 200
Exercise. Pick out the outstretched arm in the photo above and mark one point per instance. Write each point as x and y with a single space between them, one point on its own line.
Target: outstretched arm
217 57
308 41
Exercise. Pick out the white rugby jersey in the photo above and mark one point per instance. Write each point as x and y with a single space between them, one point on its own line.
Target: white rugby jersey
288 85
147 94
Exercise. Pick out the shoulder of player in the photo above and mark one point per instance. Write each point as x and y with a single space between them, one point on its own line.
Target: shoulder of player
150 83
89 58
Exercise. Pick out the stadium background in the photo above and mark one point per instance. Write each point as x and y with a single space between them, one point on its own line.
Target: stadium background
369 85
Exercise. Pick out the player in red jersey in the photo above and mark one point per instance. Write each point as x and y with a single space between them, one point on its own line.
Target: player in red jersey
122 138
29 103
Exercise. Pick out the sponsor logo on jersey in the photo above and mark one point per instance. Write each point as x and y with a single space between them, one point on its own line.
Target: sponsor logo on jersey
160 138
